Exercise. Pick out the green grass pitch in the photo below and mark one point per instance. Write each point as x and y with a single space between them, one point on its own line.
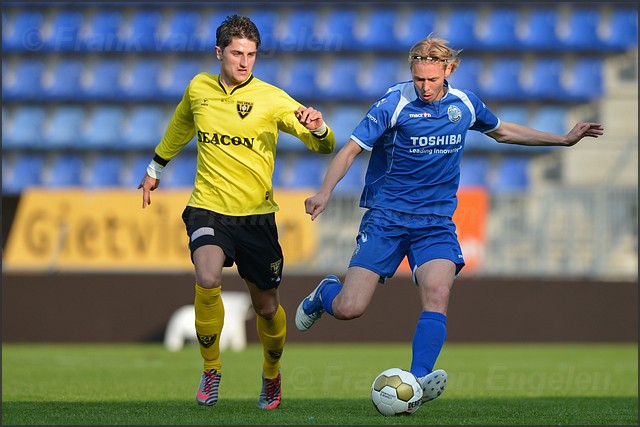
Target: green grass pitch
323 384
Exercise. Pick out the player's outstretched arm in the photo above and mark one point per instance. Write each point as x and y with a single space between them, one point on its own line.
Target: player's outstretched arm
337 169
513 133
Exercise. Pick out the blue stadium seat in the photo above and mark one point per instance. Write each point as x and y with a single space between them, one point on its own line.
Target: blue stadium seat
550 118
377 77
64 37
278 178
24 82
103 32
459 27
182 34
420 22
540 30
379 30
580 30
143 33
24 31
145 127
134 170
67 170
622 31
514 113
266 69
207 38
104 127
180 74
299 78
24 127
512 175
103 80
266 19
64 129
585 81
307 171
180 171
141 80
339 80
340 29
543 80
467 75
501 29
6 172
503 79
104 171
474 171
479 142
22 172
299 27
63 82
343 120
290 143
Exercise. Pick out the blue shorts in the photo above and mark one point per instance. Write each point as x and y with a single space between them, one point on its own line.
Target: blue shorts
386 237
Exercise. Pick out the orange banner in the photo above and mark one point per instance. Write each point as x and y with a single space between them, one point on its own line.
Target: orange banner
107 230
470 219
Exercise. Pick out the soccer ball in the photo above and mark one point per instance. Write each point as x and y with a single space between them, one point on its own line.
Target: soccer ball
396 392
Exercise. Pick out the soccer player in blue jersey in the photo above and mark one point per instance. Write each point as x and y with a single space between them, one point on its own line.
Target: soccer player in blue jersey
416 135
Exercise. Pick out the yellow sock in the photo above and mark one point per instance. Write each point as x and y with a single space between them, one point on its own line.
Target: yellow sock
209 321
272 334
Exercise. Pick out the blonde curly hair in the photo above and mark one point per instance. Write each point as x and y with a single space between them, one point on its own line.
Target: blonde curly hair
433 48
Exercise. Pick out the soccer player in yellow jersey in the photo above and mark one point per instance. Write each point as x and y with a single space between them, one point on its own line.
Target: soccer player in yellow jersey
230 216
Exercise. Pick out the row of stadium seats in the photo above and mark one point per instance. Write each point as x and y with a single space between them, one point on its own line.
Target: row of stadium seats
56 170
127 79
95 84
140 127
297 27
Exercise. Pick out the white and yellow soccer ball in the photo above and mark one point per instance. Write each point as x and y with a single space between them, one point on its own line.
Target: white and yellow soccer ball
396 391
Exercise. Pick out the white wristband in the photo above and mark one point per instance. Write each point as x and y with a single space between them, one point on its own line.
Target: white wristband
154 170
320 130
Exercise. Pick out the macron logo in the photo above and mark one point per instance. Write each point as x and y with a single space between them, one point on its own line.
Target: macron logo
419 115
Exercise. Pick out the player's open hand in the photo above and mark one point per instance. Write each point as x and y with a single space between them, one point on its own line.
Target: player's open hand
309 117
581 130
147 184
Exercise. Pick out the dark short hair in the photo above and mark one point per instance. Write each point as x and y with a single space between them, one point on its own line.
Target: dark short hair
236 27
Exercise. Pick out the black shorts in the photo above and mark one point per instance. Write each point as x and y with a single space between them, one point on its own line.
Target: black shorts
249 241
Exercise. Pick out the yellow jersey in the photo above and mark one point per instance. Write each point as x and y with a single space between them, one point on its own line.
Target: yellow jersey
236 134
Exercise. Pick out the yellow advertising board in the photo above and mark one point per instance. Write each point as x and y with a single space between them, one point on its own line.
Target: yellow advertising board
107 230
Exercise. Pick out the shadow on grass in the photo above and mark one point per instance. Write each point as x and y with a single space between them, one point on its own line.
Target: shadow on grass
508 411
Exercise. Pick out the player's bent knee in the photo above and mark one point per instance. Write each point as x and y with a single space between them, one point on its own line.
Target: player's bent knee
347 311
209 281
266 311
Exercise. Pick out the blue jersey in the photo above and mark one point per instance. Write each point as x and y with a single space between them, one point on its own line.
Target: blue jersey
416 147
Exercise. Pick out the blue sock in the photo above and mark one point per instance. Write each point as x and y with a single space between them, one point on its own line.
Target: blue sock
329 292
431 331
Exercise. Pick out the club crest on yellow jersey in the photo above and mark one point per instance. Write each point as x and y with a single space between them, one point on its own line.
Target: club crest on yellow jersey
244 108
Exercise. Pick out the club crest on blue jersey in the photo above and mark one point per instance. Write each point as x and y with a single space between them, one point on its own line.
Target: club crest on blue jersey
244 108
454 114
